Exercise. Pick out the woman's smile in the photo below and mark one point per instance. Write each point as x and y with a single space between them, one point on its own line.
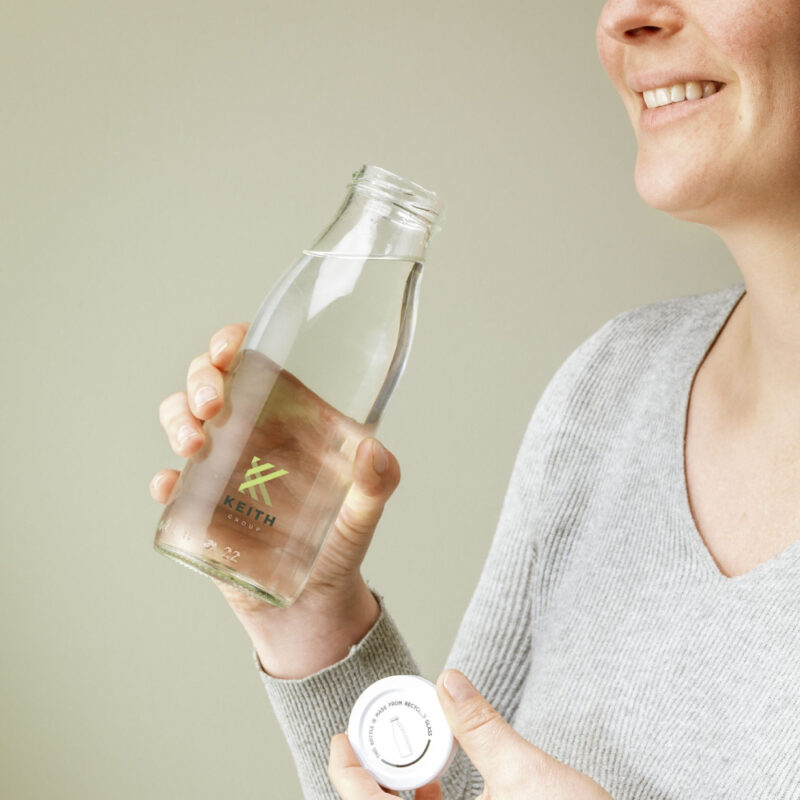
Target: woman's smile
711 89
652 118
679 93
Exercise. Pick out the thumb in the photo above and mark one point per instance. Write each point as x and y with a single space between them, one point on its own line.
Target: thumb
376 473
498 752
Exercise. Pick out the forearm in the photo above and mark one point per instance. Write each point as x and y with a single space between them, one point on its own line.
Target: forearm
310 711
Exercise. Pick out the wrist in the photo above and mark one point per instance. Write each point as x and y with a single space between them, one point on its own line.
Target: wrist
314 635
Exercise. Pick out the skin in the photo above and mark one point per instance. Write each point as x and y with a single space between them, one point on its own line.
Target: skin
733 166
336 608
511 767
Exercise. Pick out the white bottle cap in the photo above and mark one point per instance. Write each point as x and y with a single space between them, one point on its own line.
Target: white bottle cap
400 733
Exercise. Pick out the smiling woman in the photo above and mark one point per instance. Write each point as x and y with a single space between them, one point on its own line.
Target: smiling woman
634 631
737 161
730 161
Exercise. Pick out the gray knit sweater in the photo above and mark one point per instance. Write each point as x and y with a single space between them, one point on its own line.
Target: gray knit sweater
601 627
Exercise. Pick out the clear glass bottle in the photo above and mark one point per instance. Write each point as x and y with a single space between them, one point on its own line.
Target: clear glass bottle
312 378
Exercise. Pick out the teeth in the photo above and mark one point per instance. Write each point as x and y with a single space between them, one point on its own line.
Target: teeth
693 90
663 96
678 92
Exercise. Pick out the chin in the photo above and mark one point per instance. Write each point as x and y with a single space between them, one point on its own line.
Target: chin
679 193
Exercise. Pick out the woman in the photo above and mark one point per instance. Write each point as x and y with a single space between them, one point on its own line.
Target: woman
637 618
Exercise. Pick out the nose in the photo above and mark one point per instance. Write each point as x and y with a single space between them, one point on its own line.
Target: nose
638 21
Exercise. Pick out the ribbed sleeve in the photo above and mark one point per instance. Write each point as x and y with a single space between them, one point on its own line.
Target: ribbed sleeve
311 710
493 644
601 626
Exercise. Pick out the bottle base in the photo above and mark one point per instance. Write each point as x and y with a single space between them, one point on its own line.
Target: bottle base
223 573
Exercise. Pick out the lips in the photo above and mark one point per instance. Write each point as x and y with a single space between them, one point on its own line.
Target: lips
643 81
653 118
680 92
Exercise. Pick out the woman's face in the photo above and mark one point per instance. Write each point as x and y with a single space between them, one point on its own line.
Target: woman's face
734 153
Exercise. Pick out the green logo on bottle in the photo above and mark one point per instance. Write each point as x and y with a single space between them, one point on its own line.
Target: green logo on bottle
256 479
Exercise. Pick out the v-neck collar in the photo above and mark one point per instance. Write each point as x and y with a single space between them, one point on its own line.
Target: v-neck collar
696 356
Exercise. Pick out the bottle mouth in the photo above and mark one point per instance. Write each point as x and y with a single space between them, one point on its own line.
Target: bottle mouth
406 194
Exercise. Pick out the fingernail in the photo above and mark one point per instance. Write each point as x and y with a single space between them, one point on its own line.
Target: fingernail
184 434
218 349
458 687
205 394
379 458
156 482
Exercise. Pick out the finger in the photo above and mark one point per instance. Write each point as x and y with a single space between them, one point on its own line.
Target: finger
366 498
162 483
348 776
183 429
225 343
432 791
204 387
499 753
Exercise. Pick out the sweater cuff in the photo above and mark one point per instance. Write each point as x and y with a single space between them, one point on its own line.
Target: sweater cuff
311 710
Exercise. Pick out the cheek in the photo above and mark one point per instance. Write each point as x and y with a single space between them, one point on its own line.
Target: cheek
738 25
610 53
752 34
762 44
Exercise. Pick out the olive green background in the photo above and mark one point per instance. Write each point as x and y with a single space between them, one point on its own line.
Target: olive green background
162 164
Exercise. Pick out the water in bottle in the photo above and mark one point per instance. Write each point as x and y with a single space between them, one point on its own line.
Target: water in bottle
315 372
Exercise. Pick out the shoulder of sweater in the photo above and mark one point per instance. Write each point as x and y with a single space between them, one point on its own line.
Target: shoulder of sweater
672 316
631 345
643 331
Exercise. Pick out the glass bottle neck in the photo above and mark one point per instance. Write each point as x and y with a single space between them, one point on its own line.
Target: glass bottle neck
382 216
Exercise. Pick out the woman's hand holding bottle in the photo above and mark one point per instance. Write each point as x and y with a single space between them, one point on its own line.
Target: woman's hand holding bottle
336 608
